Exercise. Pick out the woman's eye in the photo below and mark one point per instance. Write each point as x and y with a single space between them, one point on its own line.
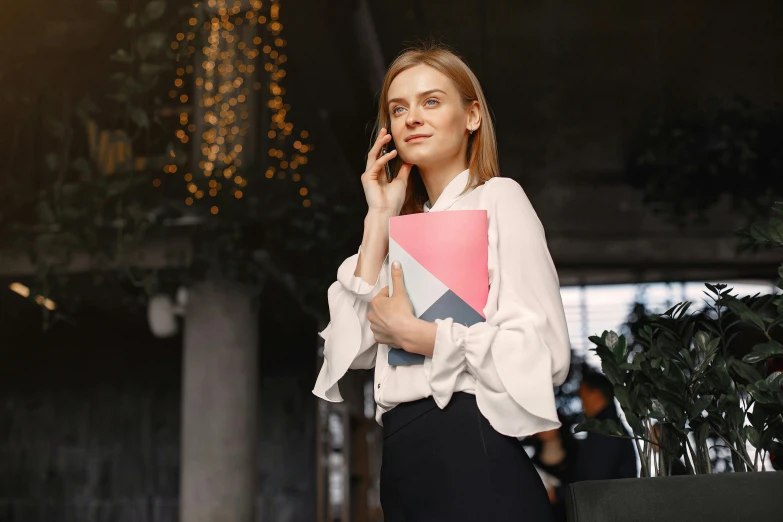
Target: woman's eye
396 110
431 102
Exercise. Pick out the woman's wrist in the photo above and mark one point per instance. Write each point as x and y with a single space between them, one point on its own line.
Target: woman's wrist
375 245
375 214
418 336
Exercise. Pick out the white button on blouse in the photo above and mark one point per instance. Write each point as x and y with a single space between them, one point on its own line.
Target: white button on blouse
510 362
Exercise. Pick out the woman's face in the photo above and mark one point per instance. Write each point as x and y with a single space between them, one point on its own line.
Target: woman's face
429 123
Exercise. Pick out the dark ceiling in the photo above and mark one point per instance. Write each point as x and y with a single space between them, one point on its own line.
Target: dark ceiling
570 85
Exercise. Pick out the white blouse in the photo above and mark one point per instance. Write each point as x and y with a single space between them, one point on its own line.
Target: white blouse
510 362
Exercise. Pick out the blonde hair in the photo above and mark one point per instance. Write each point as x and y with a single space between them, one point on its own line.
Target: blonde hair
482 153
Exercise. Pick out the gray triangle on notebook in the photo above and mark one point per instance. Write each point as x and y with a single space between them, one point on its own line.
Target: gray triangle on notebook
448 305
451 305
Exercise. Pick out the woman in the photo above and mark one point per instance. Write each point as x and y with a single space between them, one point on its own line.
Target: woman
450 449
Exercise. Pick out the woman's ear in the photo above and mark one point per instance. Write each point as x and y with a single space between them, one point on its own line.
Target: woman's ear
474 116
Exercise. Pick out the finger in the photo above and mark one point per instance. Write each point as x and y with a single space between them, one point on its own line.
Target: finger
382 338
383 138
397 278
379 163
375 169
384 291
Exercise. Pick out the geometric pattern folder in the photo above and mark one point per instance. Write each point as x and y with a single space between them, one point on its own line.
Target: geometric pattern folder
444 266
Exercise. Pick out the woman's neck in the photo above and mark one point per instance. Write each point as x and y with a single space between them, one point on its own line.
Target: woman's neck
437 178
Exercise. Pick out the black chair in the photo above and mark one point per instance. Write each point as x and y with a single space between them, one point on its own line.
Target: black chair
725 497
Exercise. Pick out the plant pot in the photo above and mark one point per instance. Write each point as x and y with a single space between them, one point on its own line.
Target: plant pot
725 497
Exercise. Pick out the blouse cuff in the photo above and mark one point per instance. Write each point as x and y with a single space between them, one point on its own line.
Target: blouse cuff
344 338
448 360
360 288
344 325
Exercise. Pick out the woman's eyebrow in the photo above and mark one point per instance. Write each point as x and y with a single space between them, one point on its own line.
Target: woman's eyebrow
420 95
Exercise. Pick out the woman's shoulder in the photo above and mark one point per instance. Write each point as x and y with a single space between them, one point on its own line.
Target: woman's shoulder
505 197
503 190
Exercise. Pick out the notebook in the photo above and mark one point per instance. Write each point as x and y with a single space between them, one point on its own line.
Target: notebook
444 265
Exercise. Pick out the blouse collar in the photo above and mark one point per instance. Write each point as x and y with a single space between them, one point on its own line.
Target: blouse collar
451 193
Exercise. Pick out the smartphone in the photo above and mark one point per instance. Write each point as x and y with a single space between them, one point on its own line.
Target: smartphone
388 148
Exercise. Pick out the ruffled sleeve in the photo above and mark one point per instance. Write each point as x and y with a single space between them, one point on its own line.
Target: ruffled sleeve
523 348
349 342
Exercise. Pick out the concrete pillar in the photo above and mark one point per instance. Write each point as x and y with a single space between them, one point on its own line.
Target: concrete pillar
219 405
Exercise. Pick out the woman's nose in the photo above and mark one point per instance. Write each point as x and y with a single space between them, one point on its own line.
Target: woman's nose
413 119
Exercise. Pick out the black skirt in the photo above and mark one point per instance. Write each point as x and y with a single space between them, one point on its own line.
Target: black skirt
450 465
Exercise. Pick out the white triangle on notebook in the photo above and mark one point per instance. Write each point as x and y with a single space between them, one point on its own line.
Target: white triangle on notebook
423 287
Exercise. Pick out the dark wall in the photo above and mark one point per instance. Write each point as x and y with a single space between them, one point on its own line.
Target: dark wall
90 420
89 425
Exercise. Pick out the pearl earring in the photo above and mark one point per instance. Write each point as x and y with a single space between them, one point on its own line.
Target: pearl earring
471 130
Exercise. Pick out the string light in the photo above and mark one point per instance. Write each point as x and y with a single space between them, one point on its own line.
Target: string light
224 79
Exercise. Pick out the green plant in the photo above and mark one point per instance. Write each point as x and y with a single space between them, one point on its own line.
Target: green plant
97 176
697 377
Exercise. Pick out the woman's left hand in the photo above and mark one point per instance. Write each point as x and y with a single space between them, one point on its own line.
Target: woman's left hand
391 317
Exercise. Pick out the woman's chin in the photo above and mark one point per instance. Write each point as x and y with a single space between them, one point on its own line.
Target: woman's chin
418 158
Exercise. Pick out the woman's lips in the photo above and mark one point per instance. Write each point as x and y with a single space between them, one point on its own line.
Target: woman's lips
416 138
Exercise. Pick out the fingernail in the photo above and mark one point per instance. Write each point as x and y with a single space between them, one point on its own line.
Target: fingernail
396 264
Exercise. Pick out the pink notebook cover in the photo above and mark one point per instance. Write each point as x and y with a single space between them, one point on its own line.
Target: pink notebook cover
444 263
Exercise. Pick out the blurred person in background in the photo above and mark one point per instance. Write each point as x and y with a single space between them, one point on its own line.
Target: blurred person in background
554 457
600 457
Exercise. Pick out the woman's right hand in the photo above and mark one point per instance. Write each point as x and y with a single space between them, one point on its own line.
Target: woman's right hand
382 196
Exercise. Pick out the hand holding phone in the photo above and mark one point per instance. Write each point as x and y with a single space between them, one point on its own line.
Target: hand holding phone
384 195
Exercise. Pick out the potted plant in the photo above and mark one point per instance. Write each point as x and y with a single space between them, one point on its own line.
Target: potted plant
693 381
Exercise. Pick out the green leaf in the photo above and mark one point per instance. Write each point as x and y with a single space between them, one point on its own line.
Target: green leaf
612 373
155 9
45 213
736 415
634 422
752 434
657 411
151 69
121 55
109 6
676 373
621 393
52 161
761 393
139 117
757 416
130 21
774 380
701 339
619 349
699 405
764 351
608 427
746 371
82 166
611 339
722 373
745 313
633 365
150 43
598 341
